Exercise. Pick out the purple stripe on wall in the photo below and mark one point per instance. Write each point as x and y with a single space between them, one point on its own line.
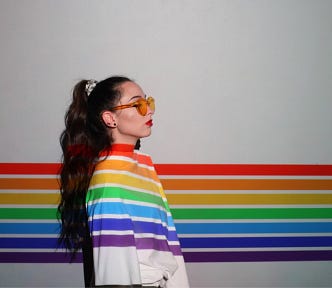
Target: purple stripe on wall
243 256
39 257
257 256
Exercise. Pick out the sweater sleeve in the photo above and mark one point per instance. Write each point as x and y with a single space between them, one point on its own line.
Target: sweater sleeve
114 249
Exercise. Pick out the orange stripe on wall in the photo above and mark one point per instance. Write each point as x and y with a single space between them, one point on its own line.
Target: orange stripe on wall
23 183
246 184
191 184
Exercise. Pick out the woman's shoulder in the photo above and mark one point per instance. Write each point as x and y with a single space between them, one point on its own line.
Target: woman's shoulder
143 158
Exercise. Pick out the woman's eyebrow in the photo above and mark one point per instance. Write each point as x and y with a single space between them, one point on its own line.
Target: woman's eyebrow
137 96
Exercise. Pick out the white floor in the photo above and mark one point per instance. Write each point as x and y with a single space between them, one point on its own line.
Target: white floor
264 274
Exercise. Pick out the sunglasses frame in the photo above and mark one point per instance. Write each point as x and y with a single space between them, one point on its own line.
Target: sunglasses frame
141 101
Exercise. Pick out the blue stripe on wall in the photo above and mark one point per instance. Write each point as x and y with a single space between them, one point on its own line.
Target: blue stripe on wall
190 228
255 242
229 228
29 228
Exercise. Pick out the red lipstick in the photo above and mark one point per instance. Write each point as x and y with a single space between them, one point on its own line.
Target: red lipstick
149 123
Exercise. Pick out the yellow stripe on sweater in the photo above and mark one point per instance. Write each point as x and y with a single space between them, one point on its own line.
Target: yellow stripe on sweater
125 180
123 165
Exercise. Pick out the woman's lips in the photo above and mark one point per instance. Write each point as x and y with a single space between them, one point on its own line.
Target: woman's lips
149 123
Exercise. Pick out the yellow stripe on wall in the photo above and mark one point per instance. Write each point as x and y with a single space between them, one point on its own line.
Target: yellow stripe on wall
30 198
249 199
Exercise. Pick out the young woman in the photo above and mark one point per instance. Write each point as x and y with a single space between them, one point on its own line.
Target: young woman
113 206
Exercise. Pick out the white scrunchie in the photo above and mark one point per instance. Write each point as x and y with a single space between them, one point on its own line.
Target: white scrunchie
90 85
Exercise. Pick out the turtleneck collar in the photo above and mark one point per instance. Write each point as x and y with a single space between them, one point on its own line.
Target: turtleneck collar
122 147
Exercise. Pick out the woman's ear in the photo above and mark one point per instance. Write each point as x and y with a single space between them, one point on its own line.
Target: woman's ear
108 118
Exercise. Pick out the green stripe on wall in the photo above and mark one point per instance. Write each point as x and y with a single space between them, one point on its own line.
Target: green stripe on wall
190 213
251 213
28 213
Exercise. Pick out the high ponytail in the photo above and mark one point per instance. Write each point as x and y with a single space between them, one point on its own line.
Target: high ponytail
84 137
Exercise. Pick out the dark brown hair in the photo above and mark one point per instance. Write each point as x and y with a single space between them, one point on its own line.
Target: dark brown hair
84 137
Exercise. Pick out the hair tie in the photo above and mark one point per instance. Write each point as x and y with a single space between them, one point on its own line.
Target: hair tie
79 150
90 85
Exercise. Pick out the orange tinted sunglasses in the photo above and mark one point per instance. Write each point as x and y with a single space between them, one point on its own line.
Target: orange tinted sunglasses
141 105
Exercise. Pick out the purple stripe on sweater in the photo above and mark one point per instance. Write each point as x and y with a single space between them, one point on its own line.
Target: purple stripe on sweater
113 224
156 244
258 256
140 243
113 240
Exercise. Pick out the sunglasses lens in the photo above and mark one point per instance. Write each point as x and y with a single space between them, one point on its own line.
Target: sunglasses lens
150 102
142 107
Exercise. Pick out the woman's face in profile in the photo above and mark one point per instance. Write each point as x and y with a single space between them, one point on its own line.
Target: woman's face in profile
130 124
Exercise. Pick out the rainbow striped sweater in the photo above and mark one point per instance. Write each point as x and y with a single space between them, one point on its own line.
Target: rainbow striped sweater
133 233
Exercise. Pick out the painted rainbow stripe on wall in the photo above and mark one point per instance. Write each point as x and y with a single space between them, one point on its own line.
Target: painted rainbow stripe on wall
223 213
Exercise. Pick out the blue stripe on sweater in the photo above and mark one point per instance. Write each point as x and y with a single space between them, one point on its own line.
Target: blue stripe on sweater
120 208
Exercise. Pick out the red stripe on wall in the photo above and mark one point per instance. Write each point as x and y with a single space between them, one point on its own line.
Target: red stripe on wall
190 169
245 169
30 168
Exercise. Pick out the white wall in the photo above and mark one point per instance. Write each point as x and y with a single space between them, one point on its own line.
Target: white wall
235 82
